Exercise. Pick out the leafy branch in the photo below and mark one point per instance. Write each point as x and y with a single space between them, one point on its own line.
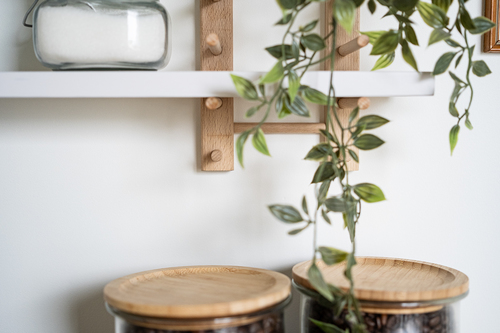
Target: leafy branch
295 55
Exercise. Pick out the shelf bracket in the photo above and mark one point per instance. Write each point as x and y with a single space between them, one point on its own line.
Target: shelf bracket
216 50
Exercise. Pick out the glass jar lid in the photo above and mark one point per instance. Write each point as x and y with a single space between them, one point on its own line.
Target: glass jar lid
392 280
198 292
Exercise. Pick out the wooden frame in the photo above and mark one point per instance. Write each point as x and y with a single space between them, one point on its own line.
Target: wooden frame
491 41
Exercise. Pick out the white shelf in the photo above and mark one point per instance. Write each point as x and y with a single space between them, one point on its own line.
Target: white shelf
107 84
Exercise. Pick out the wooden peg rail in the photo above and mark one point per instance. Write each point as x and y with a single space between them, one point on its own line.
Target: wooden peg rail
217 114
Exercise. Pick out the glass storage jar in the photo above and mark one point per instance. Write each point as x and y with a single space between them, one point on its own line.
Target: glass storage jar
102 34
396 296
199 299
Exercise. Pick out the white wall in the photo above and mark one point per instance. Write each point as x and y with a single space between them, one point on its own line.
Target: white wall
91 190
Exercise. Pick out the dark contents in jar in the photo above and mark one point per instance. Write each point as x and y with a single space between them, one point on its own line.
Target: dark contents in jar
433 322
272 323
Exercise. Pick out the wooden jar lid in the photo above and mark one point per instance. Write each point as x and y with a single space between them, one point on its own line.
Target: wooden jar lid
198 292
391 280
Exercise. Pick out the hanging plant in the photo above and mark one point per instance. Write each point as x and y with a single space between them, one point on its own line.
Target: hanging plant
295 56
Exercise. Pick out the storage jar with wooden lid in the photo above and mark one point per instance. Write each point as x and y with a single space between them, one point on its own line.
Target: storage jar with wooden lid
396 296
215 299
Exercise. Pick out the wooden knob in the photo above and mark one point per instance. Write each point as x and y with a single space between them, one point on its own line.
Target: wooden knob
214 44
216 156
354 45
213 103
351 103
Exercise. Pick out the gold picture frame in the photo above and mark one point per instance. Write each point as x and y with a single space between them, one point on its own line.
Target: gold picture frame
491 41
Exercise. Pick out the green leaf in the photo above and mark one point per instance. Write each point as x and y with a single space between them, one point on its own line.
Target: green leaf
404 5
443 4
310 26
372 122
245 88
480 68
386 43
468 124
332 256
482 25
293 85
438 35
372 6
327 328
287 214
315 96
323 192
304 205
318 152
373 35
288 4
274 75
298 107
325 217
466 20
369 192
240 144
368 142
354 155
350 224
384 61
344 12
325 171
459 58
313 42
453 110
277 51
252 111
297 231
316 280
353 115
259 142
408 55
339 205
454 137
452 43
456 78
410 34
285 20
443 63
432 15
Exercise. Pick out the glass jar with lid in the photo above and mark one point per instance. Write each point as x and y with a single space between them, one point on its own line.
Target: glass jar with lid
215 299
102 34
395 295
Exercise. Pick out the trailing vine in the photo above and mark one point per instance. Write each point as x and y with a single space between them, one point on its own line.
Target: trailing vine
298 51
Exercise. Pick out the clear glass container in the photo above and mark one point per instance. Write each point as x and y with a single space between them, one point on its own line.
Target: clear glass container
102 34
266 321
437 316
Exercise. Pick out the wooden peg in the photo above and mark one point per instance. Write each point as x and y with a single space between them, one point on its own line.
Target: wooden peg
354 45
216 156
351 103
214 44
213 103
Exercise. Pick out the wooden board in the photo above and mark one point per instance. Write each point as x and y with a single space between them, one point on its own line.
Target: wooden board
199 84
282 128
394 280
347 63
217 126
198 291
